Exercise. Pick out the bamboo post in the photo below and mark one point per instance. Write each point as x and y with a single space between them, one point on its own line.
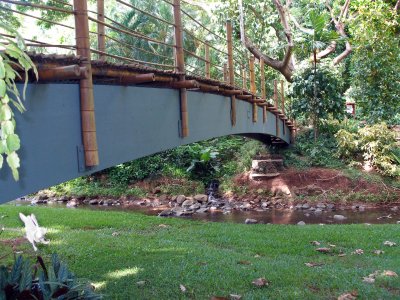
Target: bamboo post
263 92
226 72
88 121
101 31
283 103
276 106
180 66
253 88
244 75
231 70
208 62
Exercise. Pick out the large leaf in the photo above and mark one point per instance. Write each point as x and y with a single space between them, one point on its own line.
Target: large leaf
3 146
1 165
3 88
13 160
2 69
7 127
5 113
13 142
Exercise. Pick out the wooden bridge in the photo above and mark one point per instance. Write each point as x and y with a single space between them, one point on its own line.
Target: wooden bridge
94 108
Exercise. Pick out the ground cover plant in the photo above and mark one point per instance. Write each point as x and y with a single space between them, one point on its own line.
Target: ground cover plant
132 256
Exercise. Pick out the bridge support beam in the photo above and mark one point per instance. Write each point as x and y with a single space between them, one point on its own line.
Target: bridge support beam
231 70
88 121
180 66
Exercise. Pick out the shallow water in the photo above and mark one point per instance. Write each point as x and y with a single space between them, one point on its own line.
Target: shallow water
271 216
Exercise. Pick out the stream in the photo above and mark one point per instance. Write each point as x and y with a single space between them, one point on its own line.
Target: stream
382 215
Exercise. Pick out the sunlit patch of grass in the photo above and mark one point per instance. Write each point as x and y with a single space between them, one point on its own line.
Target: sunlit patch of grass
123 273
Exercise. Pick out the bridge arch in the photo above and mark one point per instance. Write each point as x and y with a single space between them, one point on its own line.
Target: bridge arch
132 122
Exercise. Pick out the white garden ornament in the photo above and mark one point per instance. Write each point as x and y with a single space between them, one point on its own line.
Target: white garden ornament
34 233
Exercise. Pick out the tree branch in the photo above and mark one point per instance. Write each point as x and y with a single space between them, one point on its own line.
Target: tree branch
284 67
397 6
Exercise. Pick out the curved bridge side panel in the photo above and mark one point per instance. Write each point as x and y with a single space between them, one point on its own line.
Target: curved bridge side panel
132 122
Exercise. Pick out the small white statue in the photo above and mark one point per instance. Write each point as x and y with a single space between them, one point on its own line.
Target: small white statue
33 232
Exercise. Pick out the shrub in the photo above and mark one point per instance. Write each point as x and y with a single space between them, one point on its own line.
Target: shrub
375 144
52 282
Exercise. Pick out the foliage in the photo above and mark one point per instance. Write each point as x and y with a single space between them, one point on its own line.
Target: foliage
375 62
321 101
12 56
375 144
53 282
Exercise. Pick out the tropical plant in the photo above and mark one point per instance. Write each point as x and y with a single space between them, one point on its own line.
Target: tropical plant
52 282
13 57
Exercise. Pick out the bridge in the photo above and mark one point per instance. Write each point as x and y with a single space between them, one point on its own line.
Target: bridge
93 108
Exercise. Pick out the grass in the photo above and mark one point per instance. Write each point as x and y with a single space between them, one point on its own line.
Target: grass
204 256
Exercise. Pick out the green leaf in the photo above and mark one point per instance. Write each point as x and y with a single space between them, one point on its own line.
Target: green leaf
13 51
2 69
1 161
10 72
7 127
5 113
15 174
13 160
3 146
5 99
13 143
3 88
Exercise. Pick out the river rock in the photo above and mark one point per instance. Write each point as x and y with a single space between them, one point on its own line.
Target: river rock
321 205
195 206
63 199
251 221
265 204
330 206
93 202
298 206
107 202
398 222
301 223
394 208
305 206
180 199
177 210
72 203
339 217
187 203
202 210
201 198
245 206
318 211
165 213
361 208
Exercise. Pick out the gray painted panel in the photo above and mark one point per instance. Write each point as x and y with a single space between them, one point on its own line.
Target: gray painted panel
132 122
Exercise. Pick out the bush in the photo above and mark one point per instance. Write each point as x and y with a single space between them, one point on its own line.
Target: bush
375 144
51 282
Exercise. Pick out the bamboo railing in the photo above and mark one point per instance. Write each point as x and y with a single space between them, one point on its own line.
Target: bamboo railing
188 55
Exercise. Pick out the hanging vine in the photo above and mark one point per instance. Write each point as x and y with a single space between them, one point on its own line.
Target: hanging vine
12 60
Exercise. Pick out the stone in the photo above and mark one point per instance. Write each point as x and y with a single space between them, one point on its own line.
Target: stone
298 206
312 208
330 206
250 221
180 199
339 217
72 203
165 213
321 205
173 198
301 223
246 206
361 208
318 211
305 206
260 191
398 222
202 210
201 198
394 208
187 203
265 204
93 202
195 206
63 199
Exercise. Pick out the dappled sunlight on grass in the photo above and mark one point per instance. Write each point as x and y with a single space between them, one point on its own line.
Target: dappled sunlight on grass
124 272
99 285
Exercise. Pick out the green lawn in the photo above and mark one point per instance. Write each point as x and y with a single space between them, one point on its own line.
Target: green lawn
204 257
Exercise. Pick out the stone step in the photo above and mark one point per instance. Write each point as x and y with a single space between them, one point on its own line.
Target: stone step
264 176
